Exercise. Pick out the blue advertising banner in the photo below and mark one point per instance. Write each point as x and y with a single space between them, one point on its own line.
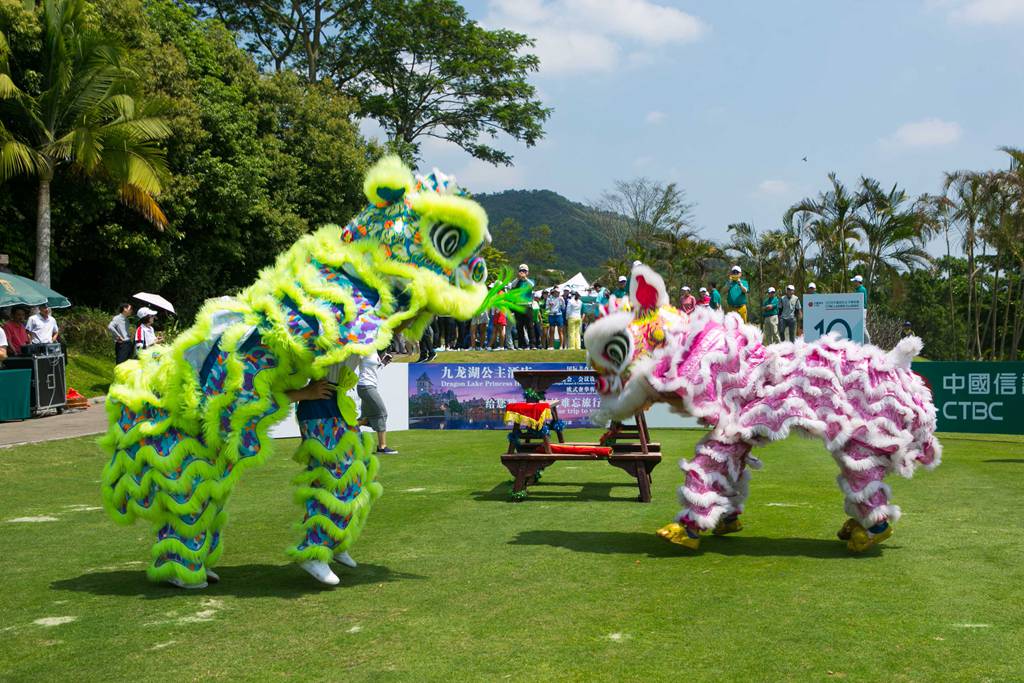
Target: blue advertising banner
474 395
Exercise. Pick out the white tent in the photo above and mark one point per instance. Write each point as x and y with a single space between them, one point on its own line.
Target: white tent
577 283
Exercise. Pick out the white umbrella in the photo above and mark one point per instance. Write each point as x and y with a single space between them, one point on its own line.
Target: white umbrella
156 300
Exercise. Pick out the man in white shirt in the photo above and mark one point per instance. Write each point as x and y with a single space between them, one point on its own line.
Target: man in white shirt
789 313
42 327
373 412
3 344
118 328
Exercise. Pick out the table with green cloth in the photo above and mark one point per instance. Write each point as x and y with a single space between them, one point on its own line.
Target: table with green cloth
14 394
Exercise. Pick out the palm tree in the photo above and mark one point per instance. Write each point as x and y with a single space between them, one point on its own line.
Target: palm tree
891 229
936 212
795 239
1006 233
967 195
82 114
836 226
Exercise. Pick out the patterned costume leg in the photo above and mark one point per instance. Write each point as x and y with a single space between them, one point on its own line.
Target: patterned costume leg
862 471
714 491
160 473
337 488
716 483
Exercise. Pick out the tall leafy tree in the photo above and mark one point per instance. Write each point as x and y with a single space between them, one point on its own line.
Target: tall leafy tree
318 38
436 73
637 211
420 68
79 109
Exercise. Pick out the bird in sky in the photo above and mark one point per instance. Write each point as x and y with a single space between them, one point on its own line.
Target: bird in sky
805 158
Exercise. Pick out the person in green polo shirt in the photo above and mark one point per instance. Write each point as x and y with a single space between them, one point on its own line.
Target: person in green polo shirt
736 294
858 280
770 317
716 298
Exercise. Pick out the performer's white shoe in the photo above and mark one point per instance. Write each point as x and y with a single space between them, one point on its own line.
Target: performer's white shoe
188 586
321 572
346 559
212 577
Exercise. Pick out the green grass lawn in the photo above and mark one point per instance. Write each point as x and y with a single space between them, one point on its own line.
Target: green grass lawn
455 583
90 374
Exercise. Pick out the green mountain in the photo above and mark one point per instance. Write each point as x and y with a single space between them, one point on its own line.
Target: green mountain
579 243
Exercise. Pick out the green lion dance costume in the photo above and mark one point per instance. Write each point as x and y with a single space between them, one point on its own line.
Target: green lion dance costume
187 420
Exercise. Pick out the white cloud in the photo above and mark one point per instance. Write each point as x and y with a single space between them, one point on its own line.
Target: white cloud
980 12
574 36
638 19
926 133
773 187
655 117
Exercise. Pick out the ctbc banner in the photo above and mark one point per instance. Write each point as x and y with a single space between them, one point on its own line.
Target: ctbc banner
976 397
841 314
474 395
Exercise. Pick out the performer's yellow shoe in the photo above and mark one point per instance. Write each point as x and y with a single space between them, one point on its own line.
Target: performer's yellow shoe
847 530
728 527
676 533
860 540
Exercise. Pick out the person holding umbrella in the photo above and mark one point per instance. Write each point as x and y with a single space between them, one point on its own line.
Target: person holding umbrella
145 336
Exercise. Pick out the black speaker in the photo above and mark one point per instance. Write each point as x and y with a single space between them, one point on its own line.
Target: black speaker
41 349
49 386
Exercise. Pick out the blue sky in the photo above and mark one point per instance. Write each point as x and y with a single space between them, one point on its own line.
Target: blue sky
725 98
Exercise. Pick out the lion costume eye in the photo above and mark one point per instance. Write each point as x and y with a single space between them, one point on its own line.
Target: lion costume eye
478 270
617 349
447 239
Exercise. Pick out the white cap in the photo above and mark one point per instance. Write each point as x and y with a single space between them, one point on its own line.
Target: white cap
857 278
704 289
771 289
622 278
636 263
145 312
686 288
523 266
736 269
812 286
789 287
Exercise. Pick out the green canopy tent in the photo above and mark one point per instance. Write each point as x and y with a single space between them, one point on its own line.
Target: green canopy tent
20 291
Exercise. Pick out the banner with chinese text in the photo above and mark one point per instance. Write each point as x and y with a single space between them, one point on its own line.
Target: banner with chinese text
982 397
474 395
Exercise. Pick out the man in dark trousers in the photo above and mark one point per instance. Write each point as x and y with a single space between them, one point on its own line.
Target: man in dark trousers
523 321
118 327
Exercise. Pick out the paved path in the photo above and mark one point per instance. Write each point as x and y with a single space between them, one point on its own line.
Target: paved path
92 420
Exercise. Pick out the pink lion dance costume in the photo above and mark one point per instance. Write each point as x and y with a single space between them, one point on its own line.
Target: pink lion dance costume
873 413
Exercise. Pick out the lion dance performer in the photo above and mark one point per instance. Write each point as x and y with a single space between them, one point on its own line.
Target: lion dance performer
873 413
188 419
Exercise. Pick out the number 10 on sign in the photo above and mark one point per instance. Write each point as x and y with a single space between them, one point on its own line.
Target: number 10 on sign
838 314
